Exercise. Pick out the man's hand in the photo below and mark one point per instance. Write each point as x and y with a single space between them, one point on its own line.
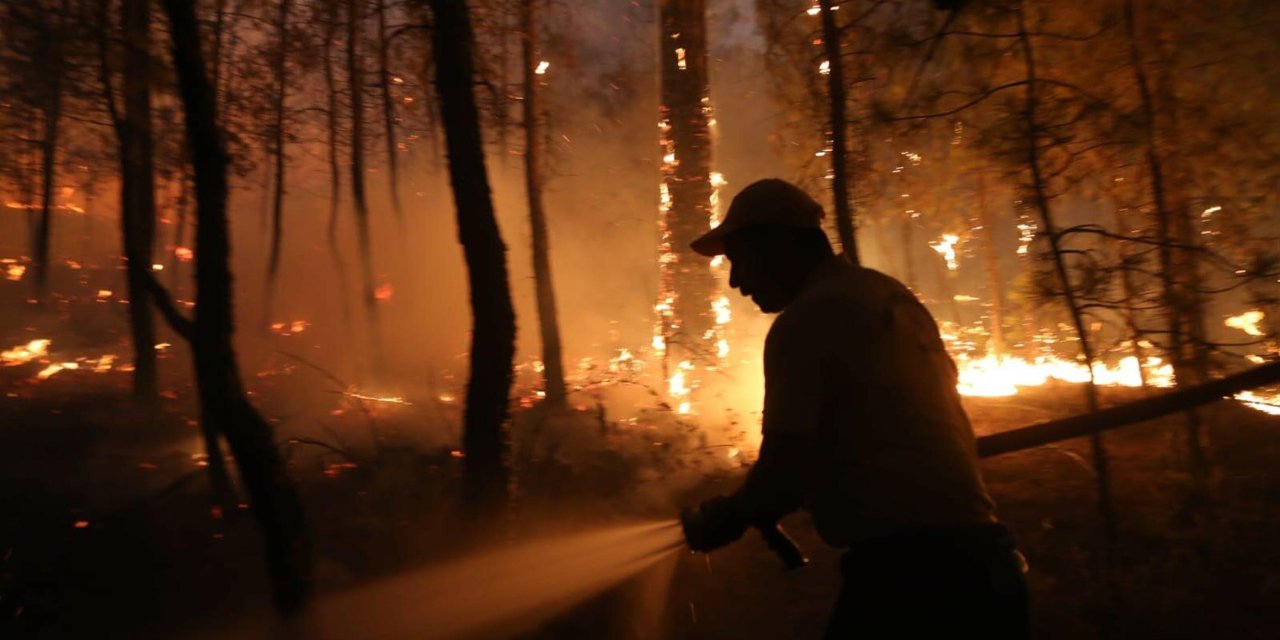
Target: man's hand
714 524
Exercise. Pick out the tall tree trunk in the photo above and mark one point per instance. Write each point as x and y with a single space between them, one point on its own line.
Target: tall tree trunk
1178 277
52 118
493 319
1040 201
839 129
335 174
137 190
687 285
282 91
272 496
548 324
388 112
991 268
355 79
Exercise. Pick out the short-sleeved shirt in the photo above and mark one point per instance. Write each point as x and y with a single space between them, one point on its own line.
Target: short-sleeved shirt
856 362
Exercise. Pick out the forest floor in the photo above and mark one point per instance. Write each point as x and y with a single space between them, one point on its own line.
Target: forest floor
107 528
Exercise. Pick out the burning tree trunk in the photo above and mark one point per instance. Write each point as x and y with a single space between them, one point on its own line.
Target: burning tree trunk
282 91
274 500
839 152
355 80
687 285
1178 277
493 319
548 324
388 111
1040 201
51 112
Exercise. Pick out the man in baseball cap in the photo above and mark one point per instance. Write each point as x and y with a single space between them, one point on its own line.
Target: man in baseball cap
863 428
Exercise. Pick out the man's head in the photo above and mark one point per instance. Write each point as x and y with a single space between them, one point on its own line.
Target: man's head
773 238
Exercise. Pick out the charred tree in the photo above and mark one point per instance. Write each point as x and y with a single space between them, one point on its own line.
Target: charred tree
388 111
278 135
839 129
272 496
493 318
548 323
687 283
137 179
1034 135
56 40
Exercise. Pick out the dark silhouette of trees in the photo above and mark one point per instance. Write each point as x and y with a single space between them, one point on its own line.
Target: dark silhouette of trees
493 318
272 496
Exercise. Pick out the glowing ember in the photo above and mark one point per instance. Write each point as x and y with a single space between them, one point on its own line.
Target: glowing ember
371 398
946 247
814 10
14 271
103 294
157 267
25 353
720 306
183 253
1247 322
825 67
680 59
542 67
383 292
54 368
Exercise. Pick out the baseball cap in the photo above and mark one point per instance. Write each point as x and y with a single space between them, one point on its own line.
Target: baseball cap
768 202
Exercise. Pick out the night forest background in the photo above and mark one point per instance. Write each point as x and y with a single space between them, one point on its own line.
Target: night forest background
304 298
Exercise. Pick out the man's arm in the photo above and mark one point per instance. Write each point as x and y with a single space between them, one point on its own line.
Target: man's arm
775 484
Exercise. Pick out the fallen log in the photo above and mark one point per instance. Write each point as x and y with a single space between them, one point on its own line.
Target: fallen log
1129 413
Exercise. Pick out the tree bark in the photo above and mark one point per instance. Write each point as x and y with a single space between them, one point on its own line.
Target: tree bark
839 129
548 323
272 496
493 319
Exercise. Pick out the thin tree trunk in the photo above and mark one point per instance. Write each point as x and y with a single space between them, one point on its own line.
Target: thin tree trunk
493 319
1178 298
272 496
355 79
548 324
138 204
839 129
991 268
1101 464
907 238
335 174
52 112
388 112
282 91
